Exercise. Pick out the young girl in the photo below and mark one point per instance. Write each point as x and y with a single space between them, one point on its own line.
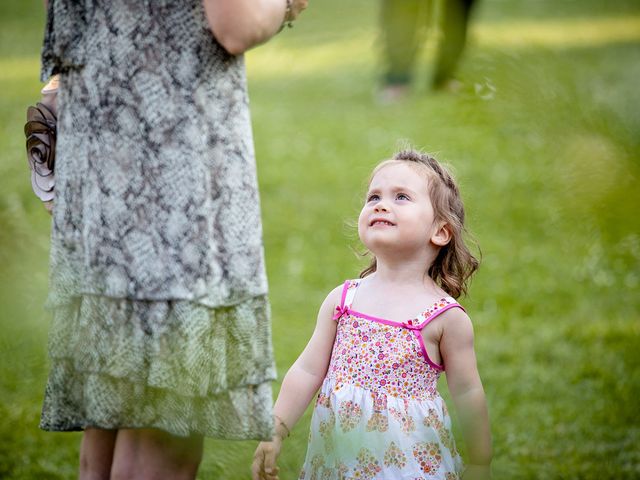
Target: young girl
382 341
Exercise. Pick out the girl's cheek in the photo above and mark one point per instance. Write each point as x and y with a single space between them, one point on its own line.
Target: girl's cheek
361 218
361 229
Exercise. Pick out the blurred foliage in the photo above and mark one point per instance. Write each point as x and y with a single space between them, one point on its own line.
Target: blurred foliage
544 137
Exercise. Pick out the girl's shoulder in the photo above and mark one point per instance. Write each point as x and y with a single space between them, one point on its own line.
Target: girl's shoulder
455 322
335 295
455 315
334 298
341 291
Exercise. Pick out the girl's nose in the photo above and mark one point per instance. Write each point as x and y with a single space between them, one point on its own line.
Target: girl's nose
380 207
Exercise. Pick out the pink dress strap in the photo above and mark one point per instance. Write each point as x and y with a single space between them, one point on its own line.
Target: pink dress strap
436 309
348 292
426 317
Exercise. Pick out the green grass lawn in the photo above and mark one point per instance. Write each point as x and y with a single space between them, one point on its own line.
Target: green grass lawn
545 139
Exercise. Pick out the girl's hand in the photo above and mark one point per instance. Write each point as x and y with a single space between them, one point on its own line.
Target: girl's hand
477 472
48 206
264 460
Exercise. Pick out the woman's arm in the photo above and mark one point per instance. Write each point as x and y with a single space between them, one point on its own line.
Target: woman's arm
300 384
465 386
239 25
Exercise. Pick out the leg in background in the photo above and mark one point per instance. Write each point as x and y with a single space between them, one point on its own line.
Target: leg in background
402 26
455 19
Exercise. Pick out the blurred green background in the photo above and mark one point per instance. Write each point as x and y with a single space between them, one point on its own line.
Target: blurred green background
544 137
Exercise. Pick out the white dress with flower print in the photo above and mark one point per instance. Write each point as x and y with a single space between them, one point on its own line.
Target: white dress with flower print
378 414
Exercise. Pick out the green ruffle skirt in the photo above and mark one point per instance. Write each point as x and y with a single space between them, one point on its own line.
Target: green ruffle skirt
177 366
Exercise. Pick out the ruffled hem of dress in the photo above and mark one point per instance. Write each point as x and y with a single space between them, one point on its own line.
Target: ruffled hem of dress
160 363
75 401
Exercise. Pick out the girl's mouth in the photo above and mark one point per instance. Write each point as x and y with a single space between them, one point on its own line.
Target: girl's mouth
378 221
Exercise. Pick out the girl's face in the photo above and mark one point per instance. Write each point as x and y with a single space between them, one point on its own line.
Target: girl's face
397 216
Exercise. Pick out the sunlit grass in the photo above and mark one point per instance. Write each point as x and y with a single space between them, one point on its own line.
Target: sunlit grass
562 33
18 68
360 48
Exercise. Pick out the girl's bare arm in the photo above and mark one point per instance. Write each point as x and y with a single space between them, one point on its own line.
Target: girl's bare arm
465 386
305 376
300 384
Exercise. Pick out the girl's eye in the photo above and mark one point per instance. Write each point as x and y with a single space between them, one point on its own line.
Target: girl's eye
373 197
402 196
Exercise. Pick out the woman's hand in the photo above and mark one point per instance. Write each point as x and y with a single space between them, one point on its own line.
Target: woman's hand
48 206
297 6
264 460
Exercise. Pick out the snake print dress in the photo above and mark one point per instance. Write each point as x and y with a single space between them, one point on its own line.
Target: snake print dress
157 279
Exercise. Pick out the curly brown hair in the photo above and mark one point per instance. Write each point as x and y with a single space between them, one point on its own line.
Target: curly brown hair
454 265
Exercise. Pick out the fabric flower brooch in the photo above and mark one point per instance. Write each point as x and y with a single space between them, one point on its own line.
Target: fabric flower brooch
40 131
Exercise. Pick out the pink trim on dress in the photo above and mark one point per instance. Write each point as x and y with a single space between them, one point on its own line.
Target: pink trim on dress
423 348
409 325
341 309
379 320
438 312
345 288
425 323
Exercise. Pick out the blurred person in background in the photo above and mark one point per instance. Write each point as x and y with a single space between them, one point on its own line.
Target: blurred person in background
403 25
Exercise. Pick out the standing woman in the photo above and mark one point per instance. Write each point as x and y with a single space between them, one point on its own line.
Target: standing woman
161 331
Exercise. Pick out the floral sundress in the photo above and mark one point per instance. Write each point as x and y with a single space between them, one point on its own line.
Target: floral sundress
378 414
